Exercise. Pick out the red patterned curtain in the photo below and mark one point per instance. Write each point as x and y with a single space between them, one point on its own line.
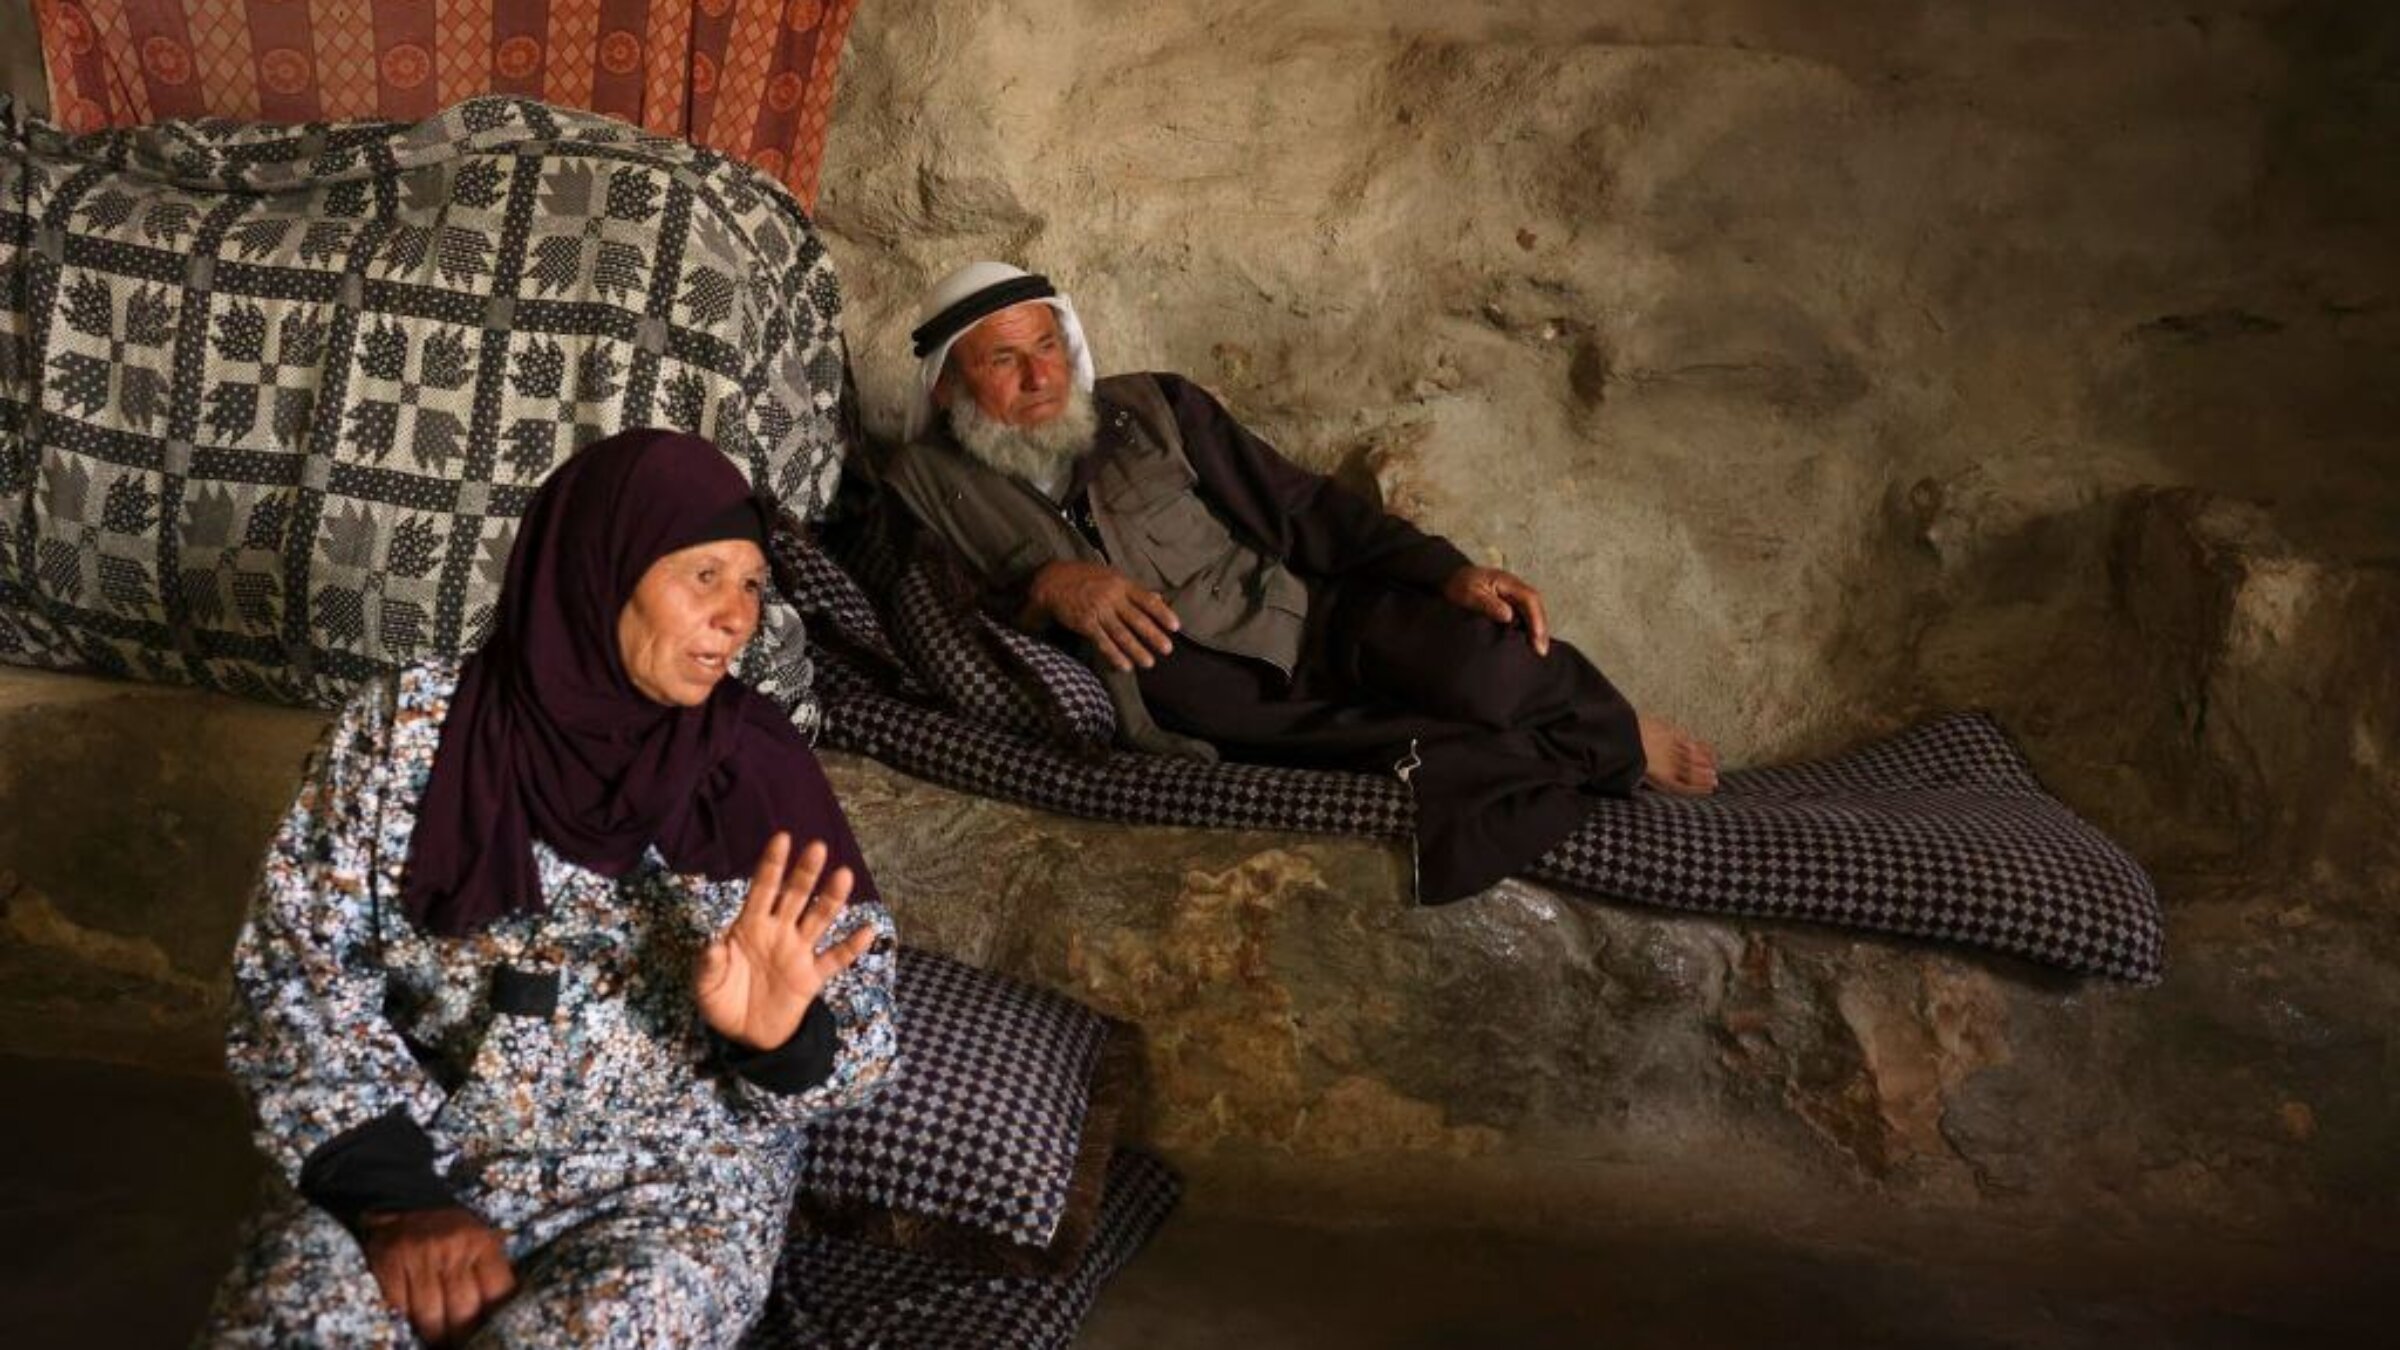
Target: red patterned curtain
751 78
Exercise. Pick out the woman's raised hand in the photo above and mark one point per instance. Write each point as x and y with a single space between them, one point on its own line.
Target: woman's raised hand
758 977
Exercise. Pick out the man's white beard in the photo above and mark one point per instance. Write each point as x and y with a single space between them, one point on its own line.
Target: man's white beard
1037 454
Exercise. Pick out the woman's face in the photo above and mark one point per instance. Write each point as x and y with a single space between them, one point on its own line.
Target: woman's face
691 613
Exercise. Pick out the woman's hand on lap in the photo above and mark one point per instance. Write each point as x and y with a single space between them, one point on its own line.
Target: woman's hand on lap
443 1269
758 977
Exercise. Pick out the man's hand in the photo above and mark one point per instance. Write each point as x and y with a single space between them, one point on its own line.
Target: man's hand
758 977
443 1269
1126 622
1503 597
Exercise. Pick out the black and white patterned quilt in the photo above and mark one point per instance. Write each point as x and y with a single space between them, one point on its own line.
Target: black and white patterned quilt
272 398
1940 832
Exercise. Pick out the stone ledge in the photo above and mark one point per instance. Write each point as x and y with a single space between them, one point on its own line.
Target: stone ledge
1313 1040
1317 1045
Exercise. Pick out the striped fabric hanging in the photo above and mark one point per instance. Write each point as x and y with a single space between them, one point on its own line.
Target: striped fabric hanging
752 79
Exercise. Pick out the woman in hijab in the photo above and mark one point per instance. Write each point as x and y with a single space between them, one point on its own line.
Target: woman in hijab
553 953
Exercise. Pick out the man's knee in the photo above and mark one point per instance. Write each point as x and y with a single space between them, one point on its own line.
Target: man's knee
1437 658
1498 685
1476 671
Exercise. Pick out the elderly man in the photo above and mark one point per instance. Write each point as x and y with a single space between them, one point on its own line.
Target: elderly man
1237 604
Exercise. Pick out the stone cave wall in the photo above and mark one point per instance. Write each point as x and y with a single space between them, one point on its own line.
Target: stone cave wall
1812 356
1827 364
21 57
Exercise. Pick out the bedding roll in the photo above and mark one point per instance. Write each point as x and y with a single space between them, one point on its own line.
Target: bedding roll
272 397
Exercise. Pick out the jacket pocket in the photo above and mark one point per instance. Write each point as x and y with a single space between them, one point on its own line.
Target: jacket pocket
1182 539
1135 488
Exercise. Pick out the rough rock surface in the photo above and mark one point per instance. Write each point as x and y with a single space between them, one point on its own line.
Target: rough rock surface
1827 364
21 58
1315 1045
1519 1058
1800 350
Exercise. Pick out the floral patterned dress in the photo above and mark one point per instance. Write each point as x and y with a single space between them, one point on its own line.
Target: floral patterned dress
550 1072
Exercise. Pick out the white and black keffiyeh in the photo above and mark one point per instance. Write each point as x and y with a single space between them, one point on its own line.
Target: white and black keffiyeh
967 297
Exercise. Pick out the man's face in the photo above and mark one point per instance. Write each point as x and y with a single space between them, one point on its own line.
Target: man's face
1014 363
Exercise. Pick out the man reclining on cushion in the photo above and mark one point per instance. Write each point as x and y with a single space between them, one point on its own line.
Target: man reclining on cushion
1237 603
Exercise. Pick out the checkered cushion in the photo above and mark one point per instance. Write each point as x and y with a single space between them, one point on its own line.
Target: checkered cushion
1075 696
820 589
1939 832
989 1145
839 1294
272 398
1122 786
927 646
968 657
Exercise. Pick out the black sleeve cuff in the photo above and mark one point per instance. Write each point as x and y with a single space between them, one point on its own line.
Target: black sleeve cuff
794 1066
385 1164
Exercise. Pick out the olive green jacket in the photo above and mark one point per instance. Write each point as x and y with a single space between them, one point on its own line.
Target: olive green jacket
1226 593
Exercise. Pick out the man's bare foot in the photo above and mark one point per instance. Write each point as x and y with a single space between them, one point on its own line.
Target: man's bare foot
1680 762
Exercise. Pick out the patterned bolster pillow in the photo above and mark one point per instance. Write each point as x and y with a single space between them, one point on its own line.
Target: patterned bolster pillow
991 1147
272 398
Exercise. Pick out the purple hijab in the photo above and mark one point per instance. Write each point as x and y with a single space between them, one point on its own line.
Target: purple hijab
548 739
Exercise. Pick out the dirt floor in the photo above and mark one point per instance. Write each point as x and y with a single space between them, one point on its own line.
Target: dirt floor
121 1190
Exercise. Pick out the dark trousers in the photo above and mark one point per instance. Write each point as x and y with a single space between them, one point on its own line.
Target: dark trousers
1508 745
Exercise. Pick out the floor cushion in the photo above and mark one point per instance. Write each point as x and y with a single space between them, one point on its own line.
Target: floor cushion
841 1294
989 1146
